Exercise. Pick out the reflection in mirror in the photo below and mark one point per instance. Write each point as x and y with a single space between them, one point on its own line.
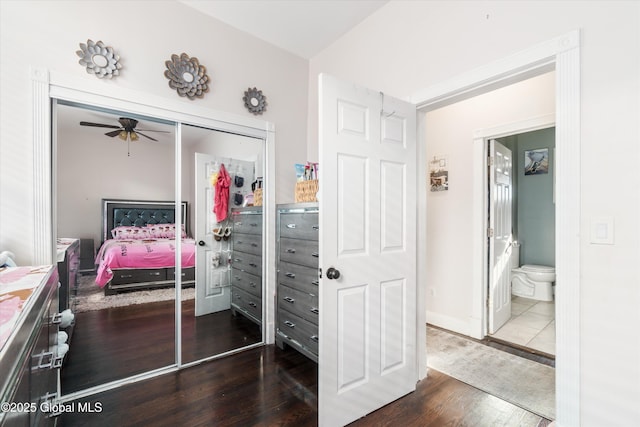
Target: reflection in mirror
220 175
132 330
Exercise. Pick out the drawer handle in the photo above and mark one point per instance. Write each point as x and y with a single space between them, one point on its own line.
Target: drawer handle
255 245
291 226
316 227
253 224
291 250
315 282
290 324
237 260
253 265
126 276
314 310
56 318
314 338
157 273
290 275
239 242
252 284
237 277
289 300
315 254
253 304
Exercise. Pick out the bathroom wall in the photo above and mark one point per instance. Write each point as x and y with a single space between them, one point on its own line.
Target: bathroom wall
534 211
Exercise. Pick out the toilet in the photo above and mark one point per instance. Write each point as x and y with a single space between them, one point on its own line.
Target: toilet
531 281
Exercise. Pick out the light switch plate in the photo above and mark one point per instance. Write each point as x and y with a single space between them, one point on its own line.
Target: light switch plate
602 230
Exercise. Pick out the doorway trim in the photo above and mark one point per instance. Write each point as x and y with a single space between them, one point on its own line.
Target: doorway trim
563 54
481 222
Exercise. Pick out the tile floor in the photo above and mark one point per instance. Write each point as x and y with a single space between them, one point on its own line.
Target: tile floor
532 325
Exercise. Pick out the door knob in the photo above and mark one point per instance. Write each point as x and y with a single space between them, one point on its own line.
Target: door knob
201 243
332 273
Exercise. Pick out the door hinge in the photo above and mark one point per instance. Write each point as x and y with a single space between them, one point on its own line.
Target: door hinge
489 232
490 160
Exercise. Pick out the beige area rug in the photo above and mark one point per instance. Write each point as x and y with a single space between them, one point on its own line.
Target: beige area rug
91 297
522 382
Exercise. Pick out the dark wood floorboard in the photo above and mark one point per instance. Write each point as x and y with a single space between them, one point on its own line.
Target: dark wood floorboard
271 387
119 342
259 387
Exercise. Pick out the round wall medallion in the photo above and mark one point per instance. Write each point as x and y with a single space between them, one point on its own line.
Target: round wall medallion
99 59
187 76
255 101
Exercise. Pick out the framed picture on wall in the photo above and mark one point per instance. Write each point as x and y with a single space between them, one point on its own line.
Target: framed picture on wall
438 174
536 162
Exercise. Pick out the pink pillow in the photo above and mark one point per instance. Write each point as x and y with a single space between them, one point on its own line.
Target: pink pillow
130 233
164 231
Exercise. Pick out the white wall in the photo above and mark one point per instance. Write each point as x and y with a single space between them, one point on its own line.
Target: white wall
449 132
407 46
145 34
91 167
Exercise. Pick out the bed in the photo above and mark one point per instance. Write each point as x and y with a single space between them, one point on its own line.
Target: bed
138 246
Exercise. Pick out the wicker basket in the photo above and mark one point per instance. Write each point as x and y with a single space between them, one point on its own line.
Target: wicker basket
306 191
257 197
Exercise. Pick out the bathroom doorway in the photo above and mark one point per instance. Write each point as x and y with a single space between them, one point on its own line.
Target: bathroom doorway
530 320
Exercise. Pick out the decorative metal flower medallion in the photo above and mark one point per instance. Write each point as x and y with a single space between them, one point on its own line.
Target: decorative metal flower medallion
99 59
187 76
255 101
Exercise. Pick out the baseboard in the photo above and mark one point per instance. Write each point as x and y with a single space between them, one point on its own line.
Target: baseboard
450 323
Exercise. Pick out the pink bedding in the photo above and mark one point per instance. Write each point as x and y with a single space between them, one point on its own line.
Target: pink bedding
154 253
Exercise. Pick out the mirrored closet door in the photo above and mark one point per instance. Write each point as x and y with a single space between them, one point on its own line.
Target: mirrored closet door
119 329
220 173
115 177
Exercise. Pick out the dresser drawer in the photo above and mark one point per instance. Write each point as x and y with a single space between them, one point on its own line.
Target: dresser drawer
247 262
299 225
298 329
248 243
247 282
246 302
303 252
138 275
299 303
188 274
298 276
247 224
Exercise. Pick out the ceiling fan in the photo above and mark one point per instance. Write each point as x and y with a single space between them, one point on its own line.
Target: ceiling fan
126 131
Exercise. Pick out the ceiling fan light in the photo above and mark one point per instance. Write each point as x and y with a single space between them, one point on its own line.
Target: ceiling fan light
123 135
134 136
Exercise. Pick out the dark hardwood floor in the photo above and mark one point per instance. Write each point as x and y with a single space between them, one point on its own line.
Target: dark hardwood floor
271 387
119 342
265 386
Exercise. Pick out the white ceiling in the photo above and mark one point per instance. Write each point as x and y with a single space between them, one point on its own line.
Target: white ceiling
302 27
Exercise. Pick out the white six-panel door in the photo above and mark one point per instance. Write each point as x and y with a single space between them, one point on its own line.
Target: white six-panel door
367 354
213 292
500 235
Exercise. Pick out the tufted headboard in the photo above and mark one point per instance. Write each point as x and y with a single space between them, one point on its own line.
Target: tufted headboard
116 212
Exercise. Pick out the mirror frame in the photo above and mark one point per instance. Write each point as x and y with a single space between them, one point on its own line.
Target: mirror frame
47 87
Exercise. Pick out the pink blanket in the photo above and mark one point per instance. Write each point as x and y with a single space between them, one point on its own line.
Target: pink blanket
158 253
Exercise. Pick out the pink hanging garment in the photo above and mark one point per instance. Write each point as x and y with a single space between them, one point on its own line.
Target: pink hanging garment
221 202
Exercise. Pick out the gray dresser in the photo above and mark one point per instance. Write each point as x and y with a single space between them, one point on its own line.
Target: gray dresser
29 359
246 263
297 290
